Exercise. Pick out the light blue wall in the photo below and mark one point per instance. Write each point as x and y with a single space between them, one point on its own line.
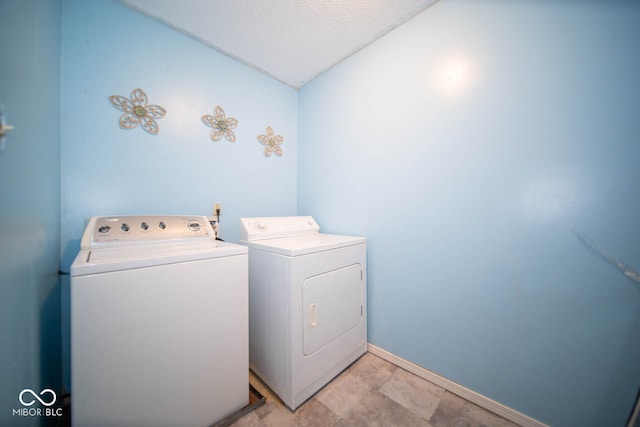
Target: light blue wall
469 145
109 49
29 203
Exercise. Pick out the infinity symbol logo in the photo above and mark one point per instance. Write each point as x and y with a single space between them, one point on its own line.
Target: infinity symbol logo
46 390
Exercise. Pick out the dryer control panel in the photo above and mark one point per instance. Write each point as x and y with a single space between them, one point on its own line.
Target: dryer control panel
124 230
274 227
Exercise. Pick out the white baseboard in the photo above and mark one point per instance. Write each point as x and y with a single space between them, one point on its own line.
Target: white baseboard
463 392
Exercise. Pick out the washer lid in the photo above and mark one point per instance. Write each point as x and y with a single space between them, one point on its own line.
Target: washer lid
116 243
107 259
304 244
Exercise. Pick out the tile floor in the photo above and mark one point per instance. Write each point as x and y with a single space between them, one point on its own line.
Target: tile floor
373 392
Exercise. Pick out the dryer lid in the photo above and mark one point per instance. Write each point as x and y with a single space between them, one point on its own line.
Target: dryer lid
304 244
275 227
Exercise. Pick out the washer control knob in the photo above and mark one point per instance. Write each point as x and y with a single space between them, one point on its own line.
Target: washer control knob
144 226
125 227
104 229
162 225
261 225
193 226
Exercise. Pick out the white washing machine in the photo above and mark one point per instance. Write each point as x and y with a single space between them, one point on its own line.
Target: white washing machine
159 324
307 304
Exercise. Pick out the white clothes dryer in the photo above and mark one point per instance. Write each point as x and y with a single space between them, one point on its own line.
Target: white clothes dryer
307 304
159 324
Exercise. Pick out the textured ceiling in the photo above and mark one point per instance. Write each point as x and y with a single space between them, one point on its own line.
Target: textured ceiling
291 40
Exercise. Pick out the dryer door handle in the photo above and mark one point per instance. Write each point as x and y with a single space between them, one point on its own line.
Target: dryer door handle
313 314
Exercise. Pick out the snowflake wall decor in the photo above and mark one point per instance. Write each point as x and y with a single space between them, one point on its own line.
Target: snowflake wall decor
271 142
136 111
222 126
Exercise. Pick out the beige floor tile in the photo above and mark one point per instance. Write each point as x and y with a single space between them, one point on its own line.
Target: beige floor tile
249 420
474 416
377 410
418 395
343 393
267 408
314 414
448 411
372 393
280 416
372 369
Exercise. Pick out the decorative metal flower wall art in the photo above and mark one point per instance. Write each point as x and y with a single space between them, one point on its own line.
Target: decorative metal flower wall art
4 128
136 111
271 142
221 124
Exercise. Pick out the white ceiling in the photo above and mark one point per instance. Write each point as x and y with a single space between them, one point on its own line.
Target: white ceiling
291 40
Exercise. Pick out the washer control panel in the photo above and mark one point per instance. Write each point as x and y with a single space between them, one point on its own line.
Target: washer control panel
108 230
274 227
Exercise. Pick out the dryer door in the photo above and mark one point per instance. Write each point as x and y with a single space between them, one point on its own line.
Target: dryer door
332 305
